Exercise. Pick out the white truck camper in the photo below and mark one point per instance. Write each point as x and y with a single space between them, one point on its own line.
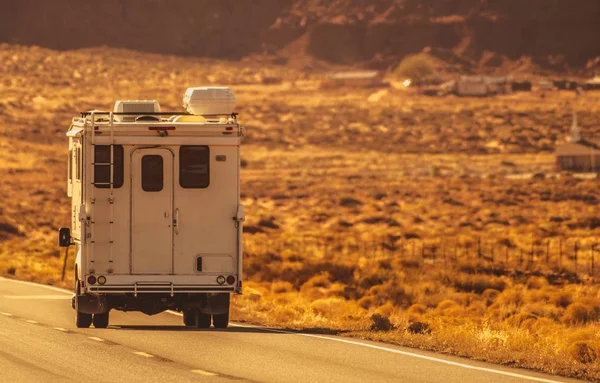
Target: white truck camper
156 218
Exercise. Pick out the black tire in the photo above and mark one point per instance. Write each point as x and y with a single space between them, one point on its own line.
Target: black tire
202 320
221 320
82 320
189 318
101 320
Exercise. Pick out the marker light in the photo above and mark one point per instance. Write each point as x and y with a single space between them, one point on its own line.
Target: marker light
231 279
102 279
91 280
220 279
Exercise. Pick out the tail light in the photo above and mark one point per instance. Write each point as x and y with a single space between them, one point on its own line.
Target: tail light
91 280
231 279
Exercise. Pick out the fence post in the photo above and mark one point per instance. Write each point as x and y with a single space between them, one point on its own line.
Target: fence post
520 256
531 257
576 248
560 253
455 251
478 251
592 255
548 252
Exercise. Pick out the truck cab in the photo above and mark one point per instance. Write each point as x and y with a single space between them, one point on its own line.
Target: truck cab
156 219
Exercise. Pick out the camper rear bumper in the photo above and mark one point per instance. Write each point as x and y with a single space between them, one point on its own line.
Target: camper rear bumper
158 288
160 284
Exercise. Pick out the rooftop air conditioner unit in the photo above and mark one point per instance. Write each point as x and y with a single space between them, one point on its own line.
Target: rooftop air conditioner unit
137 107
209 101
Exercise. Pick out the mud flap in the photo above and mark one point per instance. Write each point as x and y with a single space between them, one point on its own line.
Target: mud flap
89 304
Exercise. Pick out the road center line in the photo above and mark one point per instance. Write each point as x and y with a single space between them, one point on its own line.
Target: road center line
205 373
144 354
7 314
31 321
61 329
96 338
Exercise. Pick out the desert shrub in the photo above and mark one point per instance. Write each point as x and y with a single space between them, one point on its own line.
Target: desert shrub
416 67
544 310
416 310
475 309
449 308
419 328
381 323
536 282
385 310
367 302
561 298
489 295
578 313
279 287
477 283
584 352
523 319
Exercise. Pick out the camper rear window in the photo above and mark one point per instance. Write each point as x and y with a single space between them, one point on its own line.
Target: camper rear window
152 173
102 166
194 167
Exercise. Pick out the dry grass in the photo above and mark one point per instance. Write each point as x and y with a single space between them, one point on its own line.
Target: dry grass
332 165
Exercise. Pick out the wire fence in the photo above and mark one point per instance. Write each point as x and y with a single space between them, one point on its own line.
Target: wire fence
576 257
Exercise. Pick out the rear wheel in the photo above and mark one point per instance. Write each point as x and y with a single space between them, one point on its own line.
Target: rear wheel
202 320
221 320
189 318
101 320
82 320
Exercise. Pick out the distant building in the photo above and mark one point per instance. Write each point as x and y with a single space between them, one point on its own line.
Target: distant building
482 85
355 79
593 84
579 154
582 156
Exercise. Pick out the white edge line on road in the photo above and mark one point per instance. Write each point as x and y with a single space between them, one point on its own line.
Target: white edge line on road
144 354
373 346
202 372
96 338
65 291
401 352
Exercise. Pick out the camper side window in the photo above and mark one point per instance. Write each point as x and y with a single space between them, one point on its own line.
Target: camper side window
102 166
194 172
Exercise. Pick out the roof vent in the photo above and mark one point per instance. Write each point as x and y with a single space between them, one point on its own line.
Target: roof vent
136 107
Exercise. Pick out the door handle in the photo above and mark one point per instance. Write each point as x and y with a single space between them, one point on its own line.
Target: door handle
176 221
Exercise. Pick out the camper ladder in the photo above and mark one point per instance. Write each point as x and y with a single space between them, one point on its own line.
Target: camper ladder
111 197
92 156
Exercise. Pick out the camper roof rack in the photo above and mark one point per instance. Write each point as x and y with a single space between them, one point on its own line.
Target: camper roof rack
85 114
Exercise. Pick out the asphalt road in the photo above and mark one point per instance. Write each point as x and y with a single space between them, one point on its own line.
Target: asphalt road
39 342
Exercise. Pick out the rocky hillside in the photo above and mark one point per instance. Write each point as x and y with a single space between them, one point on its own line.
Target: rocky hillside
480 34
